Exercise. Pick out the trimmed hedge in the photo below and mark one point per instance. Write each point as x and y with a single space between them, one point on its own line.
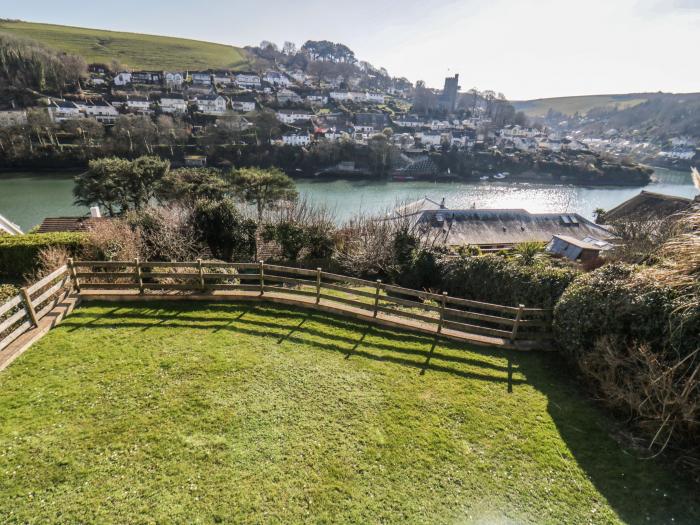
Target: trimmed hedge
496 279
19 253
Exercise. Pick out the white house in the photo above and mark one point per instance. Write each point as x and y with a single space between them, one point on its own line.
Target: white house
346 96
243 104
433 139
12 118
518 131
61 110
277 79
294 139
374 98
248 80
138 104
287 95
298 75
408 121
201 78
317 98
290 116
174 79
223 78
211 104
122 79
173 103
101 111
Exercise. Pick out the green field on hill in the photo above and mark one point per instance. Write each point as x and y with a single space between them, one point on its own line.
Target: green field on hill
134 50
256 413
571 105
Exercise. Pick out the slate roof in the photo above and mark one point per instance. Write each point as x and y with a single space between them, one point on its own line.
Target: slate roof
647 205
67 224
504 227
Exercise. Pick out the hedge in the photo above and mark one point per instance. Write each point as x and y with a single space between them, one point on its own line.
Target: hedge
611 302
496 279
19 253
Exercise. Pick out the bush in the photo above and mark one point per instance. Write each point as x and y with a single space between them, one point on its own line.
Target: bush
634 337
229 235
19 254
496 279
612 302
7 292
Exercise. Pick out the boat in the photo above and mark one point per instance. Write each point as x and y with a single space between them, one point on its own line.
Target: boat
485 177
500 176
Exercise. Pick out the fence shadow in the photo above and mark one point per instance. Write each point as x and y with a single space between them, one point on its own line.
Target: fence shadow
309 328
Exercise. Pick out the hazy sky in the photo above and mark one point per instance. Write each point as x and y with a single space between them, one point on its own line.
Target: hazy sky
523 48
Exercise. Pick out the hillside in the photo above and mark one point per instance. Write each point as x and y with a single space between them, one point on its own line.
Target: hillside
581 104
132 49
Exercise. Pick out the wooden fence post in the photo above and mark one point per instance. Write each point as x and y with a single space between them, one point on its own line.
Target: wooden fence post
201 274
376 297
443 303
318 285
73 275
262 278
516 324
29 306
139 277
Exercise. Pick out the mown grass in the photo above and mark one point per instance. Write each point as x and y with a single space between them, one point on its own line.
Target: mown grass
223 413
135 50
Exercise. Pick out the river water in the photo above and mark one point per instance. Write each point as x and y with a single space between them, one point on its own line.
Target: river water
26 198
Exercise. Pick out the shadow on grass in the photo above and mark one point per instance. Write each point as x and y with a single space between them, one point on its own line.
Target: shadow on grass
640 490
295 327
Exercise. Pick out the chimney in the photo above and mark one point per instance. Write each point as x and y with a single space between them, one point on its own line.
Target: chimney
95 212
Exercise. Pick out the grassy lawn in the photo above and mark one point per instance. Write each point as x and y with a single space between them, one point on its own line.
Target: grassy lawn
135 50
221 413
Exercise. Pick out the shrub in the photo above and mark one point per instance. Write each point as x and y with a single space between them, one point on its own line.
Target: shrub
7 292
224 228
291 237
112 240
634 337
613 302
19 254
166 234
497 279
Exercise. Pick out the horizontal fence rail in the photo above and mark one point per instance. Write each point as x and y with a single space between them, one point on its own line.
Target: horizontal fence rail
442 312
24 311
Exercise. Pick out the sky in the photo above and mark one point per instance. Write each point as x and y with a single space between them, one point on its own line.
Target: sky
522 48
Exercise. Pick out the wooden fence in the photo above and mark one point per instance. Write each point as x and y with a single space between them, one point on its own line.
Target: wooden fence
413 308
24 311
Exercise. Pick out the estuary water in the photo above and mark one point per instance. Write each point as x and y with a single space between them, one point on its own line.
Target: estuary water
26 198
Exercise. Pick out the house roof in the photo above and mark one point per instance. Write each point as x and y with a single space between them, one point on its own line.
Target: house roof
67 224
649 204
579 243
419 206
209 97
504 226
65 104
172 96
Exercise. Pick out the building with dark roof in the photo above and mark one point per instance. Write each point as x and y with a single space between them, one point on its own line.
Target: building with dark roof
650 206
503 228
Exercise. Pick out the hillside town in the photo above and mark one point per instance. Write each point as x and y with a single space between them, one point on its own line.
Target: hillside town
278 106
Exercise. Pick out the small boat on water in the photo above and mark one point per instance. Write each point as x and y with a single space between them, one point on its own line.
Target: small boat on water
485 177
500 176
